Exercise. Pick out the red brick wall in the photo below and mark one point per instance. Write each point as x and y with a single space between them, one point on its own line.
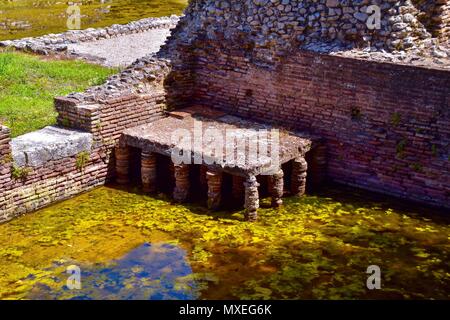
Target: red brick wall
387 126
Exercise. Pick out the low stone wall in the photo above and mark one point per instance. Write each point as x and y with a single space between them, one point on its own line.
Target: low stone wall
56 43
54 164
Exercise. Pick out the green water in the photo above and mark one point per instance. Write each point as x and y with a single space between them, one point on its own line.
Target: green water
30 18
132 246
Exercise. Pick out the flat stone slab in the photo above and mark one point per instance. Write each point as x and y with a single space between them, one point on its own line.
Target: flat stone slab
51 143
158 137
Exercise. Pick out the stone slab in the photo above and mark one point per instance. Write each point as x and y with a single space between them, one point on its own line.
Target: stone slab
159 137
51 143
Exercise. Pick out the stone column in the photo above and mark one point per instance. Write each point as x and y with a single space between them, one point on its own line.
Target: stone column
238 189
182 182
251 198
276 187
214 178
122 165
299 168
148 171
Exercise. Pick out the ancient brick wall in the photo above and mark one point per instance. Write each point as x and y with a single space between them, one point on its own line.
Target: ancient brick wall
106 121
5 155
435 16
442 20
387 126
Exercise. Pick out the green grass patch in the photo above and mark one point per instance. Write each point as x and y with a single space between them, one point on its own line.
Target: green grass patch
28 85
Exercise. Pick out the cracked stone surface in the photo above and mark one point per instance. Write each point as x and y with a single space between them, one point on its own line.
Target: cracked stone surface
51 143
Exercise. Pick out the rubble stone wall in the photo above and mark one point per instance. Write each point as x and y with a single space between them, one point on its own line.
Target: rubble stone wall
54 43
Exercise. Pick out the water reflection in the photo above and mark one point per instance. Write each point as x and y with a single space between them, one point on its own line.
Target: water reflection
157 271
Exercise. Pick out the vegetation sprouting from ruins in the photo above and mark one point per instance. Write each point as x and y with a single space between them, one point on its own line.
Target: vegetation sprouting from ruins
28 85
318 247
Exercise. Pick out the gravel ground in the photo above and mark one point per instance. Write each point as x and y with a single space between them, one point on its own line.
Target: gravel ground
123 50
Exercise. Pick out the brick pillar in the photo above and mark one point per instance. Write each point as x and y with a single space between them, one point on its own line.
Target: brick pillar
148 171
276 187
214 178
122 165
238 189
182 183
251 199
299 168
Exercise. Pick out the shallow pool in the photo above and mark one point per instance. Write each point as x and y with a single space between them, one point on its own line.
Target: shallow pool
30 18
128 245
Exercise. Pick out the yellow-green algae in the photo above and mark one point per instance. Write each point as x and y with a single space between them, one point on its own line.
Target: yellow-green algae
318 247
30 18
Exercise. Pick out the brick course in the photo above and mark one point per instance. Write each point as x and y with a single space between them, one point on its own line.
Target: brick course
61 179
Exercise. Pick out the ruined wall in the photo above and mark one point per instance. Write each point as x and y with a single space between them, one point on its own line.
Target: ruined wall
386 125
442 20
131 98
5 155
36 187
271 27
435 16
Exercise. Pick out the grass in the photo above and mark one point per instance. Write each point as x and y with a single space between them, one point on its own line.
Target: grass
28 85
